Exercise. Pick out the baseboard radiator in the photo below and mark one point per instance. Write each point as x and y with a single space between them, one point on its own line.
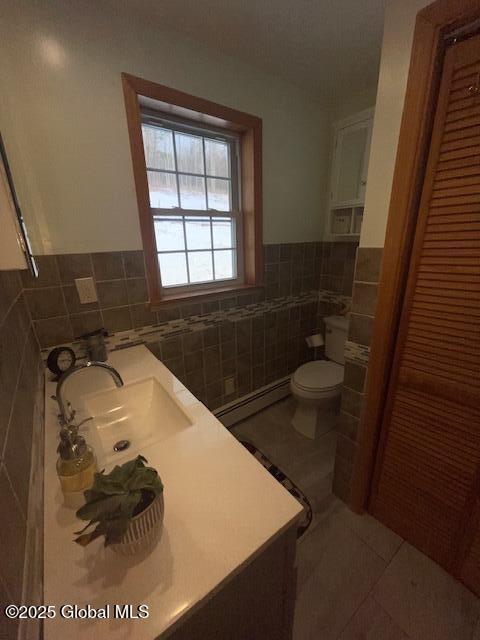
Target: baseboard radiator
241 408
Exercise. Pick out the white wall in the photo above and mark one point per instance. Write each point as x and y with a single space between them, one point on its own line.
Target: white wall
397 43
63 120
355 103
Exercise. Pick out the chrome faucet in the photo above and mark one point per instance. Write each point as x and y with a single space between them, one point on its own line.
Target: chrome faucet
66 412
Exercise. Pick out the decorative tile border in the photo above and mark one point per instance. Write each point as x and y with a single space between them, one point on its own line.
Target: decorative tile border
163 330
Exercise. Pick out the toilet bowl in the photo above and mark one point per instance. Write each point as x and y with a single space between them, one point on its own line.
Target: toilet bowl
317 385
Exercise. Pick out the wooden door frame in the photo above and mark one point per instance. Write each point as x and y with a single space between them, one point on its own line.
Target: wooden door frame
432 24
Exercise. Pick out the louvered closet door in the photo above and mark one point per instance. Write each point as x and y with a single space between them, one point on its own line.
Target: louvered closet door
469 559
425 485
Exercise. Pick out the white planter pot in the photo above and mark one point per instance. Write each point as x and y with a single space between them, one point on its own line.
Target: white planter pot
143 530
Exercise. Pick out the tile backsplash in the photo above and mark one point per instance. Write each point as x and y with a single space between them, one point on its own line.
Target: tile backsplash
55 307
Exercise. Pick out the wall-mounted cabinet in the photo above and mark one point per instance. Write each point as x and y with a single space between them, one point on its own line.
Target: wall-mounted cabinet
348 175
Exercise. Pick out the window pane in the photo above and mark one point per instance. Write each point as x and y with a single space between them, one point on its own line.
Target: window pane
169 234
200 265
223 233
217 157
173 268
163 190
198 233
218 194
192 192
189 153
158 145
224 267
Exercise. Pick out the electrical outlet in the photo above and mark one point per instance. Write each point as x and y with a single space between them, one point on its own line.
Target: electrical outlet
86 290
229 386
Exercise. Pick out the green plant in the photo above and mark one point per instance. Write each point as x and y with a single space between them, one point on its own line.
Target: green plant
115 498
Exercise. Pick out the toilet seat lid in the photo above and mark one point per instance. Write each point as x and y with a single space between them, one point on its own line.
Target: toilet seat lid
319 374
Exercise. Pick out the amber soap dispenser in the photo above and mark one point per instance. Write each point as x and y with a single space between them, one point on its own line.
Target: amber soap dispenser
76 466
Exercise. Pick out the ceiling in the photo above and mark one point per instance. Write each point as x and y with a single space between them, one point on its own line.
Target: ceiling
330 48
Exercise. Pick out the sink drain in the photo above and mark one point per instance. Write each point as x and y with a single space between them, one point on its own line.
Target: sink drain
121 445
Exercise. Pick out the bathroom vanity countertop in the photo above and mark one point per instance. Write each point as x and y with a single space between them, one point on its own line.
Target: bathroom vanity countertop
222 508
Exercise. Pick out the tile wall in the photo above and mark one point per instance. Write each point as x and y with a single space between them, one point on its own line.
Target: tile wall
349 428
255 346
21 395
255 337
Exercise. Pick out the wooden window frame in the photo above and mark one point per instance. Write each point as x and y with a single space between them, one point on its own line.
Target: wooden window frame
433 23
178 213
177 104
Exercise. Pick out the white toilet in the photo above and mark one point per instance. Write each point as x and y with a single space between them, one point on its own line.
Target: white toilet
317 385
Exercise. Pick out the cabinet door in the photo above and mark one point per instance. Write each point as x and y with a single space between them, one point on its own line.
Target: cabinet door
351 164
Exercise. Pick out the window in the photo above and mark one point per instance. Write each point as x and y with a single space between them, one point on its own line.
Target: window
197 170
193 178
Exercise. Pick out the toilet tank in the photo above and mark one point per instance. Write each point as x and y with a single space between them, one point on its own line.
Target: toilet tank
336 328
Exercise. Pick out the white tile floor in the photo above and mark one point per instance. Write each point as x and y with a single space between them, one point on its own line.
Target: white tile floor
357 580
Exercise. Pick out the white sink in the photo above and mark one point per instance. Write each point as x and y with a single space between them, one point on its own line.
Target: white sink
141 413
